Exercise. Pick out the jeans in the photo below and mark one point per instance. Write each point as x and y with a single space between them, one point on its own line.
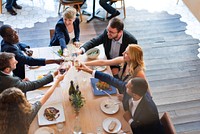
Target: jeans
10 3
107 6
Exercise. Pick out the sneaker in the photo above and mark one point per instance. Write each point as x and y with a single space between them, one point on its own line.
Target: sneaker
113 15
12 12
17 6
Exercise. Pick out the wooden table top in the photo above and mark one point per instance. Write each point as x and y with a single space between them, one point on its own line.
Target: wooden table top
91 116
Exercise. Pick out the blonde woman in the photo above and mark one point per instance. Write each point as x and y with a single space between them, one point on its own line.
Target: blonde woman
67 29
132 63
17 113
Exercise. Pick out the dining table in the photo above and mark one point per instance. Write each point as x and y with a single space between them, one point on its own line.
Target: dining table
91 116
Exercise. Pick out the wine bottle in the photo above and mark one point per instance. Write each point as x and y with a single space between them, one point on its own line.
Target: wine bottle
72 88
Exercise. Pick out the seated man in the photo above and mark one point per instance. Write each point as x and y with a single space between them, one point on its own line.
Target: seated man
115 40
7 65
10 43
141 111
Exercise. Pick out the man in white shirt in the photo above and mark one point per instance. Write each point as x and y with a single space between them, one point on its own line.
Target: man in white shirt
115 40
7 65
143 114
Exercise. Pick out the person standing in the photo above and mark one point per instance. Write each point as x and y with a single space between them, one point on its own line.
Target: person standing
115 40
10 43
9 6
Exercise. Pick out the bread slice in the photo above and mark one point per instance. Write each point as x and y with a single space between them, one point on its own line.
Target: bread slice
112 126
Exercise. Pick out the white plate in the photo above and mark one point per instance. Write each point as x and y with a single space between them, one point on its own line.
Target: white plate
107 122
99 68
44 130
109 106
35 95
43 121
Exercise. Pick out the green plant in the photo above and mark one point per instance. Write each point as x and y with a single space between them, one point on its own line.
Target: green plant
77 100
60 52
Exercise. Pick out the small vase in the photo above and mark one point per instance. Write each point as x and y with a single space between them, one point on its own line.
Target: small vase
77 126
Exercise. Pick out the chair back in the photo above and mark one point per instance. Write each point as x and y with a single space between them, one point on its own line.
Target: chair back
167 124
122 6
51 32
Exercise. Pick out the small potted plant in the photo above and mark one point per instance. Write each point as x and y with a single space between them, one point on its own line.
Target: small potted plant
77 100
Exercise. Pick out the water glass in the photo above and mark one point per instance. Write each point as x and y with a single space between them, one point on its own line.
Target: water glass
60 126
99 130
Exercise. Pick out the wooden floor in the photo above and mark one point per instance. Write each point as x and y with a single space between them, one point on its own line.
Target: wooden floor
172 65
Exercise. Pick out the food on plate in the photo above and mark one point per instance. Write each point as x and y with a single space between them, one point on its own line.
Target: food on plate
112 126
103 85
40 77
51 113
93 53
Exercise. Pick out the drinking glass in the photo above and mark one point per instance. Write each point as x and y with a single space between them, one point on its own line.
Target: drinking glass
60 126
99 130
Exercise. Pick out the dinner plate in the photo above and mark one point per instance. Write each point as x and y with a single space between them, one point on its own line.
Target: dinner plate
107 122
44 130
99 68
112 89
109 106
43 121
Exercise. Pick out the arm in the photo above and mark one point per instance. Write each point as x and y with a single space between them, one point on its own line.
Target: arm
104 77
52 88
115 61
36 106
57 61
31 85
76 30
61 30
94 42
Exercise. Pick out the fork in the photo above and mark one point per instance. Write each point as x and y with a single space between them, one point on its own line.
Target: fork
104 92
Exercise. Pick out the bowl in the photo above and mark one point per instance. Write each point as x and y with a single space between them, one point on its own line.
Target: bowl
93 53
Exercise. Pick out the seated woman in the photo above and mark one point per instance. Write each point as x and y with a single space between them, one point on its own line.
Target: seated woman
132 63
17 113
67 30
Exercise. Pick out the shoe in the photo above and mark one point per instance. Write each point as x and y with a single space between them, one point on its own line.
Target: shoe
12 12
113 15
17 6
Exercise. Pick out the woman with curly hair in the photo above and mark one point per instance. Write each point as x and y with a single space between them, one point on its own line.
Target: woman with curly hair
17 113
132 63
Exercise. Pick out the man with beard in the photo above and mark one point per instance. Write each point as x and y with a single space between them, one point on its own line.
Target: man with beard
114 39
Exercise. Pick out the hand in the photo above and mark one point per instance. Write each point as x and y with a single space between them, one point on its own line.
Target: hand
26 79
80 51
60 76
127 116
77 44
83 67
28 52
59 61
120 97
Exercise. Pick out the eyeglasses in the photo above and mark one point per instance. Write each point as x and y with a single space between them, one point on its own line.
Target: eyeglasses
111 32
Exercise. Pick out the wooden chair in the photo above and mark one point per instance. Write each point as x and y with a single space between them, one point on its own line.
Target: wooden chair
122 6
71 3
51 32
167 124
